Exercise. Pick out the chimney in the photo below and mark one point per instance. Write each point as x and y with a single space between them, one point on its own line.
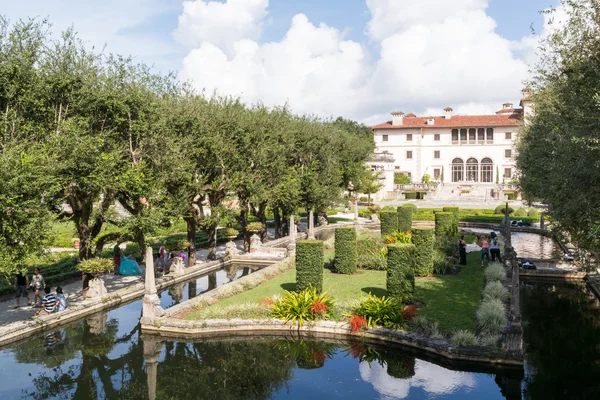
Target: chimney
397 118
448 111
507 106
430 121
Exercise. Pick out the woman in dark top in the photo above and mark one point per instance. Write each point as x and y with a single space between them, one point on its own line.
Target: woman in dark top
462 250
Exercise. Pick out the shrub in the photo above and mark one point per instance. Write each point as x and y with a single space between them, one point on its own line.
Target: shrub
400 273
413 207
357 323
464 338
401 179
405 218
520 213
533 213
425 327
230 232
444 224
389 208
398 237
500 209
258 226
491 316
96 266
346 255
306 305
176 244
495 290
423 239
455 213
363 199
133 249
426 178
495 272
380 311
372 254
364 213
309 264
389 222
374 209
489 340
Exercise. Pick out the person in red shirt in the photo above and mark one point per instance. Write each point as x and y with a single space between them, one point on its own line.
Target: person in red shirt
485 249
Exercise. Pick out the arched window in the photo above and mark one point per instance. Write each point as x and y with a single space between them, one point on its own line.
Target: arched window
487 170
472 169
458 170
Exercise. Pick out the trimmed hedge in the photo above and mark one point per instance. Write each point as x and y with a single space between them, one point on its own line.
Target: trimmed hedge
444 224
455 212
309 264
405 217
400 273
413 207
423 239
346 255
389 222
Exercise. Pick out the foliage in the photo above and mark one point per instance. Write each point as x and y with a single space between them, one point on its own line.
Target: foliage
357 323
464 338
413 207
96 266
398 237
495 290
254 227
424 240
405 218
379 311
389 222
372 254
309 265
425 327
489 340
176 244
346 255
230 232
501 209
491 316
446 255
533 213
455 212
444 224
521 212
400 273
133 249
426 178
495 272
374 209
401 179
306 305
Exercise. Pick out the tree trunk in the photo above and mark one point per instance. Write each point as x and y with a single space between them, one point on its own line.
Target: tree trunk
85 250
212 242
263 219
277 220
191 237
243 222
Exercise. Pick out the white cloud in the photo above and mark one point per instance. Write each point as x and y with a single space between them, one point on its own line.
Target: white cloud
220 24
430 377
432 54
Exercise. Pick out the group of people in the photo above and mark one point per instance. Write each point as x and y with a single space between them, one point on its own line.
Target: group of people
163 262
49 303
488 246
124 265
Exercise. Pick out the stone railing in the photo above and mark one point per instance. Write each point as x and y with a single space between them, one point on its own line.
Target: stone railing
382 157
417 186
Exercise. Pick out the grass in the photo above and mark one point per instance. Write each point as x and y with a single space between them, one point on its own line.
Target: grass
449 300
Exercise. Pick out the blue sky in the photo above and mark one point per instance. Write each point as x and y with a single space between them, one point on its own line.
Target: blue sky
238 48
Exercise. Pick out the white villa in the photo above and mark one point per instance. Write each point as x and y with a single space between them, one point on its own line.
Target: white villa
459 149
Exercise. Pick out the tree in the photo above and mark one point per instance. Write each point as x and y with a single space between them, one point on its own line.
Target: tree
369 183
558 150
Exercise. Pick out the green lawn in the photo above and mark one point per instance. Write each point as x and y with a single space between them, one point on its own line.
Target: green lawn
451 300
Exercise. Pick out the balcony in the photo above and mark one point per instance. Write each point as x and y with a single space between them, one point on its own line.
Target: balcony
382 157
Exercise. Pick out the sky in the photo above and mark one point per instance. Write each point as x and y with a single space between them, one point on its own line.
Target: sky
359 59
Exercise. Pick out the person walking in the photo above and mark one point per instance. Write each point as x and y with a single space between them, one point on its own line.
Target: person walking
462 249
485 250
21 289
495 250
37 284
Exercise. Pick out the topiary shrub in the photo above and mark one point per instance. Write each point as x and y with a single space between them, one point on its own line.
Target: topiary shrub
520 213
400 273
533 213
346 256
309 264
405 217
423 239
500 209
412 207
444 222
389 222
455 212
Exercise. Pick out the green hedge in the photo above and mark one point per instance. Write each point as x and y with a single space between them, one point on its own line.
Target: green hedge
444 224
309 264
413 207
346 255
389 222
423 239
455 212
400 272
405 217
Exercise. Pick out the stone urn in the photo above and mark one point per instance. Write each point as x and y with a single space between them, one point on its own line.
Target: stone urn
96 288
177 266
255 243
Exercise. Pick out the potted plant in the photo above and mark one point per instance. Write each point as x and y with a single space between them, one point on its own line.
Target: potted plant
230 233
95 267
174 245
254 227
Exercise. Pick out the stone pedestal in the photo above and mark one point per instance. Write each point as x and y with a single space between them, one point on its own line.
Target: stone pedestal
151 308
177 266
311 225
323 220
255 243
97 289
375 218
292 244
231 249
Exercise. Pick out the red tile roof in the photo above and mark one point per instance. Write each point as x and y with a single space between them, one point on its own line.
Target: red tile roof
459 121
410 115
509 111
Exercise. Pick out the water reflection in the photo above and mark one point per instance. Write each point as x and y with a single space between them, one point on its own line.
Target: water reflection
530 245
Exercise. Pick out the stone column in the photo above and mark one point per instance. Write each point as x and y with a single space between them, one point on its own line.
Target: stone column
542 222
292 244
355 210
151 303
515 304
311 225
152 349
507 239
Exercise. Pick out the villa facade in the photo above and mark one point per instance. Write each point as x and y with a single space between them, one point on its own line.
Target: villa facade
450 148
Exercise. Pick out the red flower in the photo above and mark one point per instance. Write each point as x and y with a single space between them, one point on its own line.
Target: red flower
409 313
357 323
266 301
318 308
